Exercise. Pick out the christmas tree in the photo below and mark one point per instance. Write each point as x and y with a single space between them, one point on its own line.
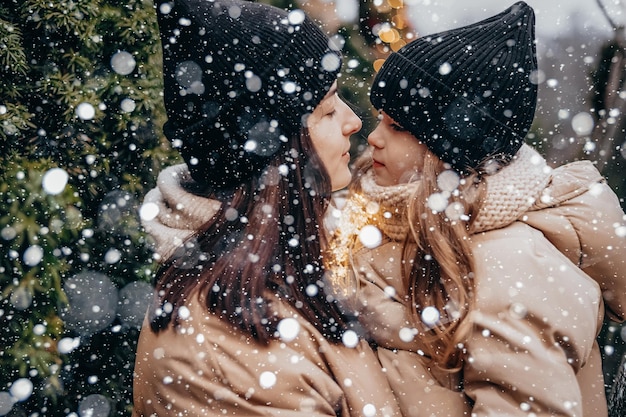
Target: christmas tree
80 113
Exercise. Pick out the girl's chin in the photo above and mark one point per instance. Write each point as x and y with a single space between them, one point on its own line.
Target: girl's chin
379 177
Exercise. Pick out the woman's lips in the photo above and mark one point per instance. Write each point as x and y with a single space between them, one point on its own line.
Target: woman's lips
377 164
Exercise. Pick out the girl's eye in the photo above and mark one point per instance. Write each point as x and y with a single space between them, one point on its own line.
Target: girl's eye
331 113
397 127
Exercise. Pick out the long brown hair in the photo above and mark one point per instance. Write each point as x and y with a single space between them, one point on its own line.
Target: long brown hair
441 275
266 238
439 271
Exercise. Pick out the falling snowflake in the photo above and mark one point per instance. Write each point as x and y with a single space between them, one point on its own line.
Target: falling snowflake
267 379
85 111
123 63
370 236
288 329
54 181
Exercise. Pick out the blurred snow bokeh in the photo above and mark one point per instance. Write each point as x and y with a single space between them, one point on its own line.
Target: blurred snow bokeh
553 18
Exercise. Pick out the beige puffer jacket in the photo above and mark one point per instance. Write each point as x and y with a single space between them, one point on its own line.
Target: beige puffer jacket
207 367
548 244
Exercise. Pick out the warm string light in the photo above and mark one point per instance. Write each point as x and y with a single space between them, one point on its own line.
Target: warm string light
357 213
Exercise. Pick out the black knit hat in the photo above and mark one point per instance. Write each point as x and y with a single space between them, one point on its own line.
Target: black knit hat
467 93
239 77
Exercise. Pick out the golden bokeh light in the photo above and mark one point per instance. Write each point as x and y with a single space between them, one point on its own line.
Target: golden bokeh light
399 21
389 35
378 63
397 45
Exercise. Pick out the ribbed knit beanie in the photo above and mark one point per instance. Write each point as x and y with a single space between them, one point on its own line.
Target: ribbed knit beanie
238 79
467 93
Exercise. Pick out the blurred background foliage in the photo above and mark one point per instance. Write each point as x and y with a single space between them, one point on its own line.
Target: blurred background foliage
80 143
81 112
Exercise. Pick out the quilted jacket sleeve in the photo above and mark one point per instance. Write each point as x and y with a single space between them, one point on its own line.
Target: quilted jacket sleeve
533 328
582 217
206 367
184 375
381 296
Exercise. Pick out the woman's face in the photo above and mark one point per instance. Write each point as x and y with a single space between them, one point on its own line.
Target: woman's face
397 155
330 126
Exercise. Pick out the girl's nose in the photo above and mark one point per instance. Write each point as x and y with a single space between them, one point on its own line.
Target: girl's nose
375 138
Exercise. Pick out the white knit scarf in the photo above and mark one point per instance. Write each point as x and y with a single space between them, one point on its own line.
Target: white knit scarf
175 214
513 190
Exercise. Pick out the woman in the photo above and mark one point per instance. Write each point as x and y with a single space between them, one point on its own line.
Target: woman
480 271
242 323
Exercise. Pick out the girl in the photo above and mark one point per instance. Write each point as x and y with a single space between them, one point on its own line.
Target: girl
242 323
482 273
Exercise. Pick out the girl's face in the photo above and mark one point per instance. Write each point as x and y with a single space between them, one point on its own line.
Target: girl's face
330 126
397 155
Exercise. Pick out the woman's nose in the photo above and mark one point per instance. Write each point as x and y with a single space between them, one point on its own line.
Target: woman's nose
353 123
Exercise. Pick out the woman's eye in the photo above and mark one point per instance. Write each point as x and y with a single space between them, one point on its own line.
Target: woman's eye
397 127
331 113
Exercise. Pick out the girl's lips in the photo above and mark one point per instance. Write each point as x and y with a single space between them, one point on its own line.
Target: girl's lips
377 164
